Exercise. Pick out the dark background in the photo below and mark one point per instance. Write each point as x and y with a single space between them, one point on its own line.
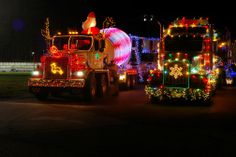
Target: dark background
21 21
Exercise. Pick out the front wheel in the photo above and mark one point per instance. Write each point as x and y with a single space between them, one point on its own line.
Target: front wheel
102 86
90 89
40 93
132 82
156 100
116 88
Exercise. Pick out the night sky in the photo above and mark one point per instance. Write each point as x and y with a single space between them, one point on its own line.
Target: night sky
22 20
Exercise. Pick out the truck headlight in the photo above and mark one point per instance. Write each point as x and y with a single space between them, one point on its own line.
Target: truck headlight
35 73
79 73
122 77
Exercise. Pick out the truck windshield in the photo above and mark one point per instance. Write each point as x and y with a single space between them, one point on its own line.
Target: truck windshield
81 42
148 57
188 30
183 43
73 42
61 43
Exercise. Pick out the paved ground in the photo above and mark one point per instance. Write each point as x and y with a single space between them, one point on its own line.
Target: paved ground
126 125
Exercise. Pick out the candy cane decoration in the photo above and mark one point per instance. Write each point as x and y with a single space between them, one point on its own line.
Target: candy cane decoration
121 42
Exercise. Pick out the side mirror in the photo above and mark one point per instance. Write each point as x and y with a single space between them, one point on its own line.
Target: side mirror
102 45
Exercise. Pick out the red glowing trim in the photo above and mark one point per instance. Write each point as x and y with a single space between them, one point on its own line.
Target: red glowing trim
207 40
53 50
73 46
207 44
186 56
193 76
205 80
42 59
149 78
131 71
65 47
208 48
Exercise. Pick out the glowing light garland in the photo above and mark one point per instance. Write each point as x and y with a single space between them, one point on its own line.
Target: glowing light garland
137 56
170 93
138 52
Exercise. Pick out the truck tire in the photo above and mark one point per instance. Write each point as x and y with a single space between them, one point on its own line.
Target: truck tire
201 102
157 100
116 88
91 88
40 93
102 86
128 82
154 100
56 93
132 82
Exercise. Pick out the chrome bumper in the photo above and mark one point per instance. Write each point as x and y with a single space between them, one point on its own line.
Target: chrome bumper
36 82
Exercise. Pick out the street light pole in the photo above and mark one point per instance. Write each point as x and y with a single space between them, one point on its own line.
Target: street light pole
151 18
34 61
160 25
160 45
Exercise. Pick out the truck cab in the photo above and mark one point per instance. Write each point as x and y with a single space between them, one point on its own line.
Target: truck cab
187 64
73 63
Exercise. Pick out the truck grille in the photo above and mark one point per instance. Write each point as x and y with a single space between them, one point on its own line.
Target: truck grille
176 74
56 68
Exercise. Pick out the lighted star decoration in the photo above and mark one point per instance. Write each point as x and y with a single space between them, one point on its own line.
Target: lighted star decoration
176 71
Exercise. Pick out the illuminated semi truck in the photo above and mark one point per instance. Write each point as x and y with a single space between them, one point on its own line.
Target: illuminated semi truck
77 64
187 67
